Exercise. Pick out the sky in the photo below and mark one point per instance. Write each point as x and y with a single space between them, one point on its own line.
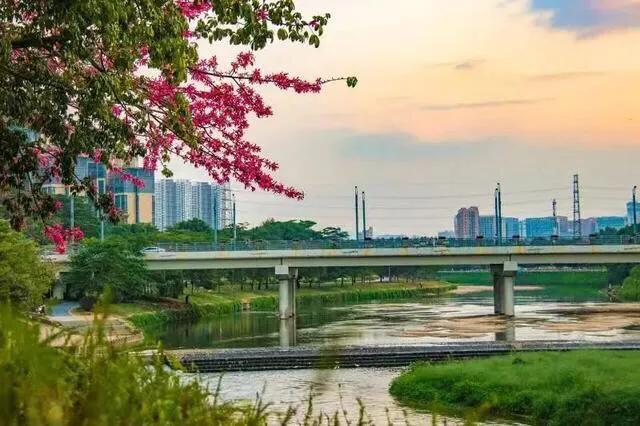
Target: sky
453 97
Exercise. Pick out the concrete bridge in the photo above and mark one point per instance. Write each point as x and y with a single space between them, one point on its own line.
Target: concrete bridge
503 261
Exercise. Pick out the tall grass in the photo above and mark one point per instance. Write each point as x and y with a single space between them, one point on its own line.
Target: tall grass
93 384
574 388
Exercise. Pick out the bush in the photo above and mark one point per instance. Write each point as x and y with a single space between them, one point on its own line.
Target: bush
630 290
87 303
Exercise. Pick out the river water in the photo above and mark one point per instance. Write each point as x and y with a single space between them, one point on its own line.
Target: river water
540 315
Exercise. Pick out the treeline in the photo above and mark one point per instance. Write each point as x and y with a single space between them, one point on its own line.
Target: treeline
118 263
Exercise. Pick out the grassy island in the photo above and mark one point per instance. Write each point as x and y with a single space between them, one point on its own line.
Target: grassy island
571 388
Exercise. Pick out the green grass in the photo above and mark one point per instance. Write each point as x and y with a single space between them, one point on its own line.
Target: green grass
571 388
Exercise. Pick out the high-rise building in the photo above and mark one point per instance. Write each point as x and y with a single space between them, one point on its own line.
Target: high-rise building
510 227
180 200
467 223
488 226
546 226
85 168
588 226
613 222
135 202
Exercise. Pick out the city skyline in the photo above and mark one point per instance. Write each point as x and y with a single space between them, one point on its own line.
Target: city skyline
460 107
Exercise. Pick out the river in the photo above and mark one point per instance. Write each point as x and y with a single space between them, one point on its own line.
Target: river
540 315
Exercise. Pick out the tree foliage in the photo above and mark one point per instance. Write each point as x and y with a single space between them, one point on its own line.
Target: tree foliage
110 263
192 225
122 79
630 290
24 278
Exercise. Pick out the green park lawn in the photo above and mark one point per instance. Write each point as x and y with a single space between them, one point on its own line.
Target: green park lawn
571 388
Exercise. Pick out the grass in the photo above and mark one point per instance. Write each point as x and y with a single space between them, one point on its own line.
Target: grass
210 304
571 388
95 385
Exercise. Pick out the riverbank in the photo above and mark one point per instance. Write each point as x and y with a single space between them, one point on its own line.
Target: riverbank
203 304
586 278
541 388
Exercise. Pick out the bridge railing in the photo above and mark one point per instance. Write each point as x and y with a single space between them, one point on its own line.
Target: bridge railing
246 245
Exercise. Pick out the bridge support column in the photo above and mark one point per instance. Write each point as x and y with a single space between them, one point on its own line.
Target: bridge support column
287 292
503 288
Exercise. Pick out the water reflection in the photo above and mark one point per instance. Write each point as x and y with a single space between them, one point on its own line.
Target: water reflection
463 318
508 333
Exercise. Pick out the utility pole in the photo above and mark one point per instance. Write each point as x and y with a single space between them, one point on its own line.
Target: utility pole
357 218
364 218
215 217
635 216
235 232
577 222
498 212
556 228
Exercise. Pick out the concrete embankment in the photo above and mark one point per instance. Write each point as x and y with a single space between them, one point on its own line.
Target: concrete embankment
206 361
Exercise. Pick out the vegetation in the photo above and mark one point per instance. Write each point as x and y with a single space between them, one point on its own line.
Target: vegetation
117 80
24 278
207 304
630 290
93 384
99 265
584 387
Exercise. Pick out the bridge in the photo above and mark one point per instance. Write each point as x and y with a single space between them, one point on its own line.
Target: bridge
284 258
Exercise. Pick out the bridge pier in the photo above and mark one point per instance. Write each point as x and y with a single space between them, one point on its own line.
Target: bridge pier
504 276
287 291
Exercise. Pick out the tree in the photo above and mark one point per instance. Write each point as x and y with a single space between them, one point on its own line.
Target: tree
121 79
630 290
110 263
24 278
192 225
334 233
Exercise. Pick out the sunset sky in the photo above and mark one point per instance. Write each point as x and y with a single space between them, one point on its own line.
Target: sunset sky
454 96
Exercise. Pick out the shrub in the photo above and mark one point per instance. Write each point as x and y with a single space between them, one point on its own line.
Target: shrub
87 303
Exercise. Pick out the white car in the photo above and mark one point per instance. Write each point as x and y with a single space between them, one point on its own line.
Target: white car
153 250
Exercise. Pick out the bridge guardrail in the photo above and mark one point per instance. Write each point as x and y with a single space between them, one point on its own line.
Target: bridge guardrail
246 245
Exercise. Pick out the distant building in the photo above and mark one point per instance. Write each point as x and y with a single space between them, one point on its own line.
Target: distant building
488 226
467 223
446 234
367 234
613 222
546 226
588 226
136 203
181 200
85 168
630 212
510 227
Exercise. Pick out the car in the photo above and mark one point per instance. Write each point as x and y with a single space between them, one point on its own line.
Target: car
153 250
